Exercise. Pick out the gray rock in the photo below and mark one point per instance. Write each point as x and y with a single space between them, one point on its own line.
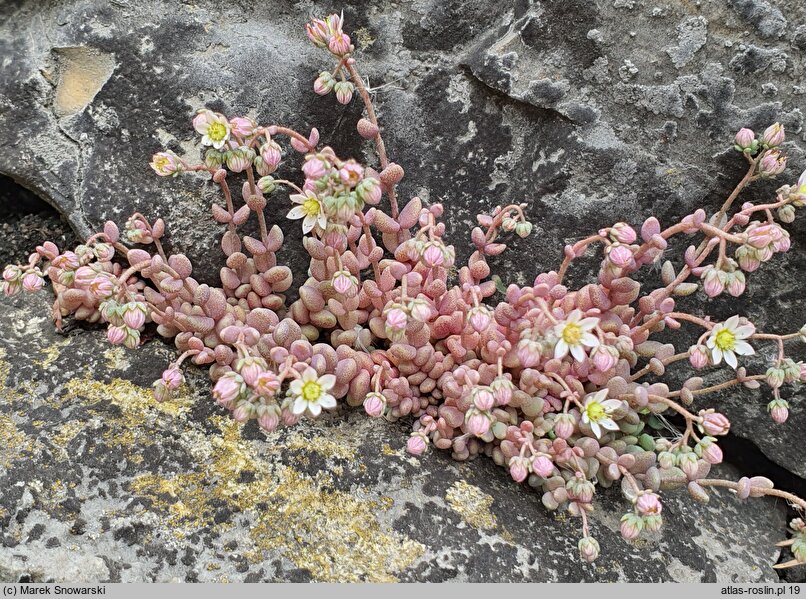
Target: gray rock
101 483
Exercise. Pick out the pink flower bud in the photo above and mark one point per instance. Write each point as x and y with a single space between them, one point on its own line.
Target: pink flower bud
772 163
529 352
712 282
712 453
12 273
714 423
479 319
502 389
172 378
433 255
374 404
648 504
134 319
744 138
102 287
314 168
624 233
620 255
242 127
32 282
396 320
343 283
698 356
344 92
351 173
747 258
483 398
339 44
631 526
85 275
736 284
478 424
518 469
564 425
271 153
588 549
268 421
773 135
604 357
242 413
779 410
542 466
416 444
324 83
161 392
116 335
227 389
289 418
266 384
318 32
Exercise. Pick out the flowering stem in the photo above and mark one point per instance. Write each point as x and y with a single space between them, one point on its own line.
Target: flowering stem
720 386
729 484
261 219
381 147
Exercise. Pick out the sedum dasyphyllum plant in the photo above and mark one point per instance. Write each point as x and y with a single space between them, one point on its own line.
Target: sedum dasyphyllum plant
550 381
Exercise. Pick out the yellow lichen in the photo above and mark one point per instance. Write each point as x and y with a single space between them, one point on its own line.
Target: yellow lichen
12 441
472 504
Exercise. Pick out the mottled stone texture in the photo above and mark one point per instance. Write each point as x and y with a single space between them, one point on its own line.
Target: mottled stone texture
588 112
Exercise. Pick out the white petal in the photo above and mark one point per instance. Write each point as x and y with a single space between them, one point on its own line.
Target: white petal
308 223
314 409
732 322
596 430
561 349
296 386
609 424
716 355
730 358
296 212
299 406
601 396
611 404
327 401
309 374
322 221
297 198
578 353
574 316
588 323
326 381
743 348
585 417
589 340
710 342
744 331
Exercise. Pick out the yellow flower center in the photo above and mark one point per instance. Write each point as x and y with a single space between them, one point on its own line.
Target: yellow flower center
311 391
217 131
725 340
311 207
595 411
572 333
161 162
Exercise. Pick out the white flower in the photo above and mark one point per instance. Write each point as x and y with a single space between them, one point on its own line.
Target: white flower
311 208
213 127
310 392
574 333
596 412
727 339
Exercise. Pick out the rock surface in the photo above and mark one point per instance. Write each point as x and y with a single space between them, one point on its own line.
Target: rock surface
589 112
101 483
